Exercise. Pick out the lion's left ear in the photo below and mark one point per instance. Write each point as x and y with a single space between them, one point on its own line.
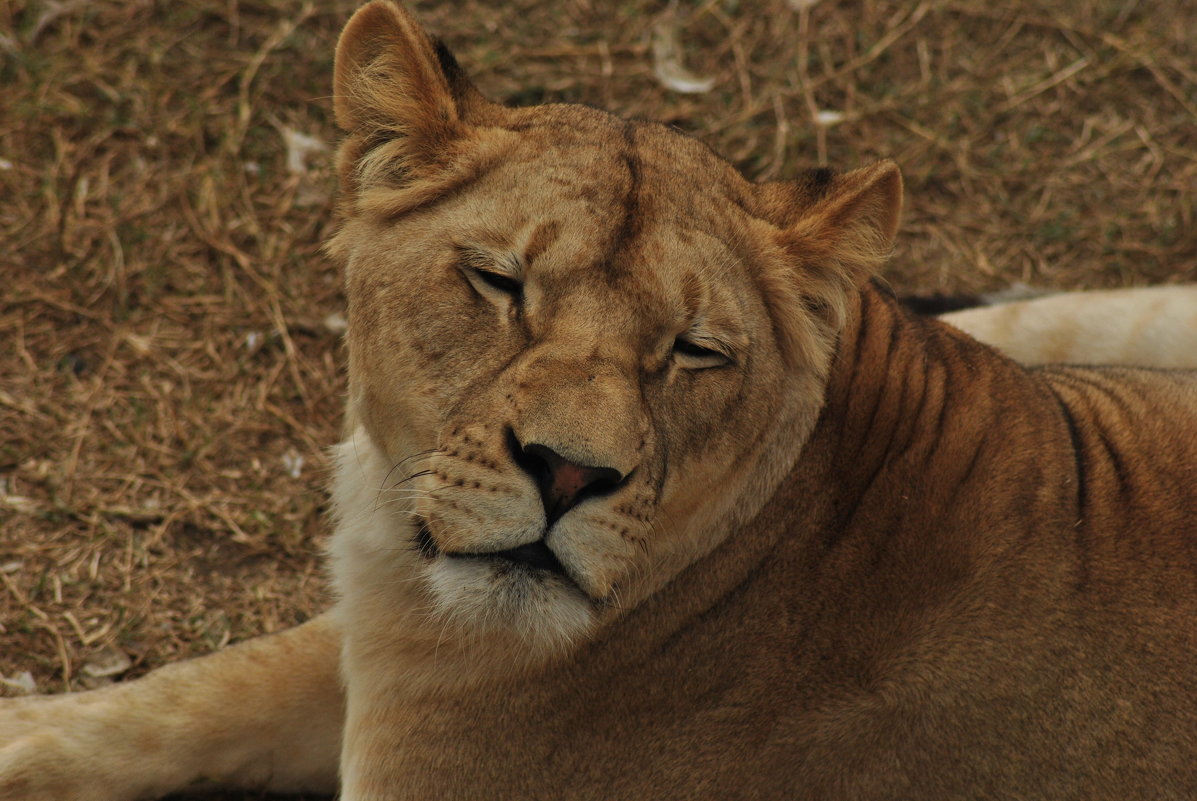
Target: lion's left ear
843 222
834 231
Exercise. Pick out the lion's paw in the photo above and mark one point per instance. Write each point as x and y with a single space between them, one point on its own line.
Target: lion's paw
50 750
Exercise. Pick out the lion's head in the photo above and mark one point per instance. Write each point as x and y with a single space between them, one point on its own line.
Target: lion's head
582 350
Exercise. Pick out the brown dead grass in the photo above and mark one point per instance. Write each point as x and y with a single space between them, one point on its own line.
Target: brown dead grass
164 357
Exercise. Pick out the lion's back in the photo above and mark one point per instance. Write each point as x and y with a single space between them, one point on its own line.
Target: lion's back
1130 406
1134 437
1154 326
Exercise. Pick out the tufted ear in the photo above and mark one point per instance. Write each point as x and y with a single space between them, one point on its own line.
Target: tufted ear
835 230
400 96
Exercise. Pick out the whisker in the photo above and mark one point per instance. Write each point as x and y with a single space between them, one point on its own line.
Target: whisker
383 489
402 481
419 454
406 459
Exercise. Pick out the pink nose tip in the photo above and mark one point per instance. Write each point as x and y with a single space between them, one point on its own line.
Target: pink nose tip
569 479
563 484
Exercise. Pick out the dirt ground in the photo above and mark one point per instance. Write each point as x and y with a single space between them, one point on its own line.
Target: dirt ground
170 367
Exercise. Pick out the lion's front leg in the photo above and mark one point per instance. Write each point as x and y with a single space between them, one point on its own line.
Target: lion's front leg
266 713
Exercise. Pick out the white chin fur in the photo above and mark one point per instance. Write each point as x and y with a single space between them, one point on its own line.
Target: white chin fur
373 557
479 595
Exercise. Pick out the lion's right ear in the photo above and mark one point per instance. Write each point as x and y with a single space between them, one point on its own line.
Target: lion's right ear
400 96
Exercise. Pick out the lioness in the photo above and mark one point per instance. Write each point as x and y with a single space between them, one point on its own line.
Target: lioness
650 492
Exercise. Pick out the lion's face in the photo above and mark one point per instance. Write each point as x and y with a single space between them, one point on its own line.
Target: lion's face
563 341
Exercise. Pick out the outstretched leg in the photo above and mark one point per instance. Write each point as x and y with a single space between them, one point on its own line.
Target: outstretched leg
266 714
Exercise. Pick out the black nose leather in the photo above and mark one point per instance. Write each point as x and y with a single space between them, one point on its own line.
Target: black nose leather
563 484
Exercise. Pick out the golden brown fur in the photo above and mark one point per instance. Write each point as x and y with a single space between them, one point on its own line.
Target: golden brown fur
649 492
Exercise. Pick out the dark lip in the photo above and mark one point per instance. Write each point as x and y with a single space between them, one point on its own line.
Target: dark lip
534 555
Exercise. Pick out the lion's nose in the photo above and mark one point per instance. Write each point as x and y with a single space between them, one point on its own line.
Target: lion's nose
563 484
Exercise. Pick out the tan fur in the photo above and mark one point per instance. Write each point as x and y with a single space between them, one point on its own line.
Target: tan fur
1146 327
848 553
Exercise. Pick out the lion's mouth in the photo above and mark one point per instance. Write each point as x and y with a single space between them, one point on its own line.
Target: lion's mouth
535 555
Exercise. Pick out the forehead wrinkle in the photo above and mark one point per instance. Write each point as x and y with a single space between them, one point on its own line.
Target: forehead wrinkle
543 236
629 226
583 308
692 295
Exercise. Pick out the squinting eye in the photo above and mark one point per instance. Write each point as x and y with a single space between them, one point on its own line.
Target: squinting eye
503 283
693 356
499 281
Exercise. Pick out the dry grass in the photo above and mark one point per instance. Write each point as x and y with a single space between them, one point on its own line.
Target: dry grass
164 357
